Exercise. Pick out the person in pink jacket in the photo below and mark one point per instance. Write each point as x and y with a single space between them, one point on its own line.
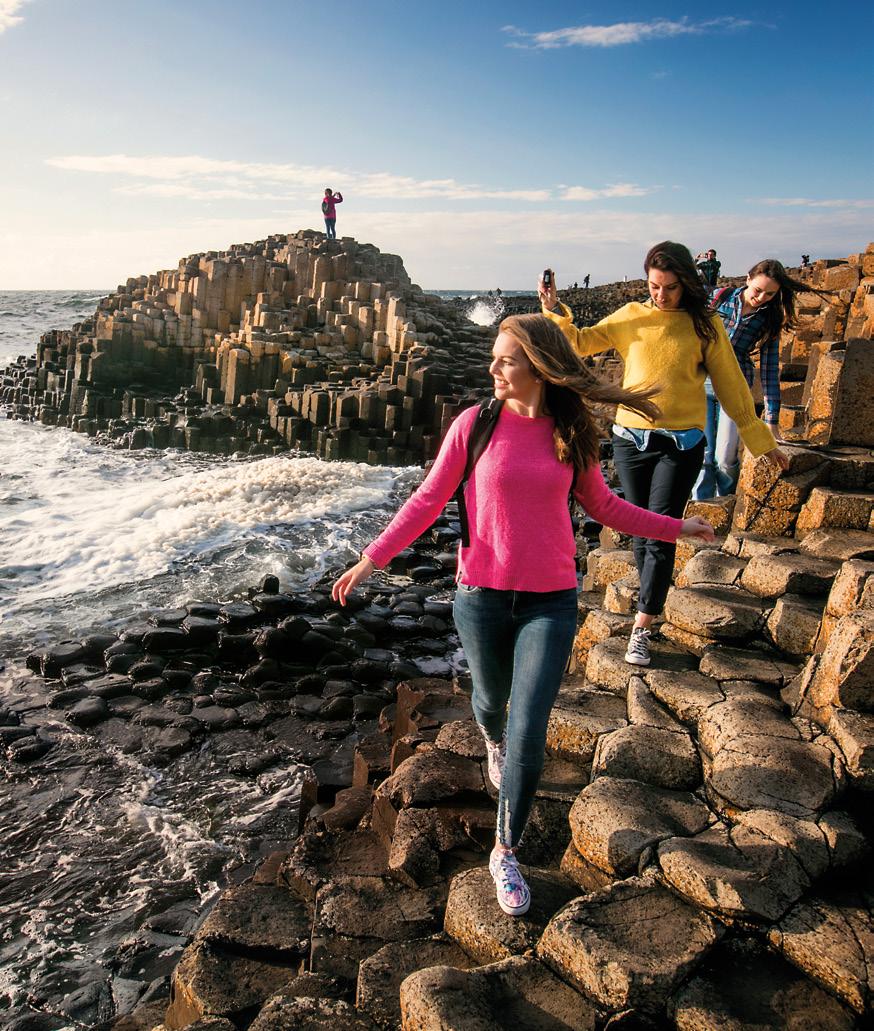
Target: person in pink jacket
515 607
329 210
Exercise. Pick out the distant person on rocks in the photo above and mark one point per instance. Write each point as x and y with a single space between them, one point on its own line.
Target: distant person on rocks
515 606
498 292
329 210
668 344
709 267
586 280
805 261
753 316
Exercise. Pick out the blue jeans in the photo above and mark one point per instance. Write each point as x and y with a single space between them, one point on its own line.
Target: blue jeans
720 471
331 228
517 645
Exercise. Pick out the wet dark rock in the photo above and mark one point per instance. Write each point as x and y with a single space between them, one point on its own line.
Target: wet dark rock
92 1004
125 706
147 668
79 673
147 954
10 734
65 654
97 644
135 633
121 663
201 629
232 697
168 617
260 673
239 615
440 609
339 708
67 696
87 712
366 706
168 742
274 606
166 639
150 689
28 749
236 647
269 584
216 717
274 643
208 610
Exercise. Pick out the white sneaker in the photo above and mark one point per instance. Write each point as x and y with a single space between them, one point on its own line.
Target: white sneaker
638 647
512 892
495 754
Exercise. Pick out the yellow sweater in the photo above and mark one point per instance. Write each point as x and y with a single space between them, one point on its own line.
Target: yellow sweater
661 348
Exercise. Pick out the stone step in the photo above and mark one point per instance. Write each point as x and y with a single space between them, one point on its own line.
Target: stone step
518 992
831 938
758 868
578 719
716 613
711 568
614 821
479 926
655 755
742 985
596 944
607 669
380 976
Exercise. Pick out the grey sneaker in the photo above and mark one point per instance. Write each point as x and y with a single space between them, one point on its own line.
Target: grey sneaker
495 754
638 647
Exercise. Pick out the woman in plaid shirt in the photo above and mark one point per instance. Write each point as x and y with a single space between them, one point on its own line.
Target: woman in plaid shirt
754 316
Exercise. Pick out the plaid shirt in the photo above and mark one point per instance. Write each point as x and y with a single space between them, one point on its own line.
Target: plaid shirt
744 331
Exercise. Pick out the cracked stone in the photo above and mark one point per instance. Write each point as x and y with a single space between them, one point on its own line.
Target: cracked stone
734 872
518 992
573 730
615 820
252 916
741 664
629 945
832 941
664 758
722 613
606 666
771 575
742 986
687 695
710 567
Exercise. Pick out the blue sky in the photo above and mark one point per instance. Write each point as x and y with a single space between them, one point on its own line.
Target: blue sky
479 141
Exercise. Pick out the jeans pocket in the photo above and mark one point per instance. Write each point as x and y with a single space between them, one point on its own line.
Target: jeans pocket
466 589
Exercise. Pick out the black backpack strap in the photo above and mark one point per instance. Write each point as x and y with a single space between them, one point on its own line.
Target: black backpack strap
477 442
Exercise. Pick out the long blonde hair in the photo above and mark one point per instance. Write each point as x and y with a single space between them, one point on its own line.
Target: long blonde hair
571 388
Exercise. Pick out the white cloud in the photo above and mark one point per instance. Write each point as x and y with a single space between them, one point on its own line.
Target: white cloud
622 33
9 15
615 190
190 177
805 202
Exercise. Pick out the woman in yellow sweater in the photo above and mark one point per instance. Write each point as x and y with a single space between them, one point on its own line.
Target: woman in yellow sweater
671 343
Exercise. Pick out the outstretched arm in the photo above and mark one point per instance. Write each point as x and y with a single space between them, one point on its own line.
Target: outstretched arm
605 507
419 512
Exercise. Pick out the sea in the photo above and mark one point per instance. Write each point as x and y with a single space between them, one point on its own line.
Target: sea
96 845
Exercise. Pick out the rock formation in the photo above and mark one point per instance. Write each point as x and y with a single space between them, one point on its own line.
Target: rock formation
294 341
700 846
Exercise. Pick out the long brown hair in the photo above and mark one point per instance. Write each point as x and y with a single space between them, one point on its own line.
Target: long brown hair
571 388
668 256
780 312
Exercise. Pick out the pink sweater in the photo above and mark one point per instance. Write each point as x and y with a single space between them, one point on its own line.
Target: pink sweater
520 531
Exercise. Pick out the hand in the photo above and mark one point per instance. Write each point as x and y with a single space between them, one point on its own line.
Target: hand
698 527
347 583
548 294
777 458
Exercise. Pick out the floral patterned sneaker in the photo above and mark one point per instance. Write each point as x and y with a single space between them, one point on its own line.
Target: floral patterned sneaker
512 892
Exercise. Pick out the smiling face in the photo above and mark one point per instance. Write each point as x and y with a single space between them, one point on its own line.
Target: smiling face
665 289
760 289
513 375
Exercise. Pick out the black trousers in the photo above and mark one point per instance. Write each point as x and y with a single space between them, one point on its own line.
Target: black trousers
661 479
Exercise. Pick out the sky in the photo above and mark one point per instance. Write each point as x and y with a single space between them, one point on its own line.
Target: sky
481 142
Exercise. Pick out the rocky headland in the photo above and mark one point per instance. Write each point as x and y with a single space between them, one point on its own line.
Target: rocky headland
700 848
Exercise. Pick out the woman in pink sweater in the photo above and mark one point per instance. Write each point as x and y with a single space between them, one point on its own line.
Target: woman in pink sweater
516 604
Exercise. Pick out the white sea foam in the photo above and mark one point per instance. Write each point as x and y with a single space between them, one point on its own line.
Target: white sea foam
86 518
